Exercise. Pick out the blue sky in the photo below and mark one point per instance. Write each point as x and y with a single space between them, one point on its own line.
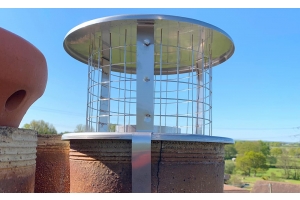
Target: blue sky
256 93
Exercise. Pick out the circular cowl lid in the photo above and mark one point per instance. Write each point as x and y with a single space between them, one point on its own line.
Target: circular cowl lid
171 32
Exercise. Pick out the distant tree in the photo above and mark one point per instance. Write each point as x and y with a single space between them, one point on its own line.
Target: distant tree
296 169
275 144
292 152
235 180
64 132
276 151
273 177
292 144
229 167
243 164
230 151
82 128
284 161
257 146
251 161
112 127
240 147
295 152
41 127
264 148
272 160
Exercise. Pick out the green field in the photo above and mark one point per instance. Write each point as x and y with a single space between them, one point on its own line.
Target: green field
259 176
272 161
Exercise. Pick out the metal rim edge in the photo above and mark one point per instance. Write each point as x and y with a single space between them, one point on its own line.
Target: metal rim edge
154 137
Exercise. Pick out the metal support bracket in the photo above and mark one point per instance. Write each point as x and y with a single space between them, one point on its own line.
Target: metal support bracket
141 139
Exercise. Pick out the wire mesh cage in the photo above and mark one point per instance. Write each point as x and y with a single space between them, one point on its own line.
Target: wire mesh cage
184 54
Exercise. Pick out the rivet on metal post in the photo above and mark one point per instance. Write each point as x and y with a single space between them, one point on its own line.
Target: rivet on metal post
147 42
146 79
147 118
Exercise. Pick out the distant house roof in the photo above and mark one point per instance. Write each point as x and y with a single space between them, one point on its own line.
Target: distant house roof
275 187
233 189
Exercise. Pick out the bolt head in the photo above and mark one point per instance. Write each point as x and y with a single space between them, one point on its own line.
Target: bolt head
147 118
146 79
147 42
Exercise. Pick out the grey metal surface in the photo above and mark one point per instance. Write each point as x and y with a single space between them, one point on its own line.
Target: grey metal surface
192 137
145 76
141 162
104 108
78 39
141 139
156 129
96 135
154 136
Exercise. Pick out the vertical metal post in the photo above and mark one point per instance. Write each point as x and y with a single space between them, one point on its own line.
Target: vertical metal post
203 92
270 187
88 97
210 85
119 97
109 82
166 99
193 100
92 100
130 98
105 81
210 90
125 80
99 86
160 78
141 139
177 71
200 104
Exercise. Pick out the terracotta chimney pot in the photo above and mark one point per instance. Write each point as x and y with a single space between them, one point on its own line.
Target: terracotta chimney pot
23 77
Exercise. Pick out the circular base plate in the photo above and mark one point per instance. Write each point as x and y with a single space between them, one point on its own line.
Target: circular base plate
155 136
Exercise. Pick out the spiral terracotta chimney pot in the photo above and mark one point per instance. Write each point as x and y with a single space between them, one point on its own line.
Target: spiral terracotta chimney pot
23 77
